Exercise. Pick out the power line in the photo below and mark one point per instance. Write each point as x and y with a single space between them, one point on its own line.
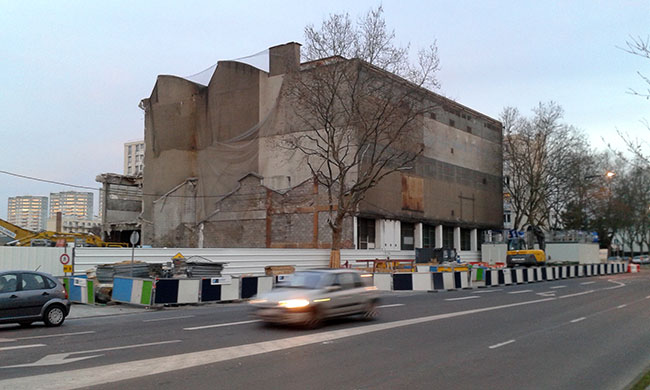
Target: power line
126 192
48 181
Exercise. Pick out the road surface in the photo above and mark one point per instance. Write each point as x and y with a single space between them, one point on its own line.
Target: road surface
584 333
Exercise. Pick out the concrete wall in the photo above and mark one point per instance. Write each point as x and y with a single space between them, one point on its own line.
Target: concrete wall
216 135
256 216
581 253
43 259
240 261
494 253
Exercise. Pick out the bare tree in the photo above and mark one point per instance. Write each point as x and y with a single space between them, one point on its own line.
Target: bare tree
360 117
638 46
543 158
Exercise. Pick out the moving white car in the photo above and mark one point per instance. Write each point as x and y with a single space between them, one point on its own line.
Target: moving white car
310 297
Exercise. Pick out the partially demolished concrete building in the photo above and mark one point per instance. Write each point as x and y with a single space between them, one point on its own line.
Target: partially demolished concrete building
120 203
215 177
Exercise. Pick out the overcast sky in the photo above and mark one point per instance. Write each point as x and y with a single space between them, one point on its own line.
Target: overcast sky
73 72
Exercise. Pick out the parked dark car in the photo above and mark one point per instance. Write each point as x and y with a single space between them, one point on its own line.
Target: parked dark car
28 296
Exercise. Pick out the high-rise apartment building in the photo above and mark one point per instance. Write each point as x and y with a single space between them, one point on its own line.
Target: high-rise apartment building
28 212
72 204
133 158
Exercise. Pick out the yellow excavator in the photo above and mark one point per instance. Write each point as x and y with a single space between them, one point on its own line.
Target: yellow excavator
521 250
25 237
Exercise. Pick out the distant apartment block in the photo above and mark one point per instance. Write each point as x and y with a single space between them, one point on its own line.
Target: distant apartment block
72 204
28 212
75 225
133 158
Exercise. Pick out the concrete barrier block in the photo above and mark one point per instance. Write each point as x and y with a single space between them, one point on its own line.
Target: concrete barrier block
383 281
492 278
422 281
530 275
505 276
478 277
517 276
461 279
188 291
403 281
231 292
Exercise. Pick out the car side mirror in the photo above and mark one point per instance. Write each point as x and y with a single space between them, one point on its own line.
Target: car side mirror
332 288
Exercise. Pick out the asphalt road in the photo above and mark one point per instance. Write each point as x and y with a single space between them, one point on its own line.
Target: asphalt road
586 333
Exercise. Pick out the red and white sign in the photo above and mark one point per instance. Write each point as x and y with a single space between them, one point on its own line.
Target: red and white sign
64 259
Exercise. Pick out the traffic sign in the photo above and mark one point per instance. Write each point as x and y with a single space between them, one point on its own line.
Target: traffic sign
135 237
64 259
178 256
67 268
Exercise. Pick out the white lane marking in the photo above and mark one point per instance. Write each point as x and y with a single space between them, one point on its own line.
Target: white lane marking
62 358
166 318
547 294
55 335
614 281
220 325
53 360
92 376
486 291
520 291
621 306
462 298
578 320
648 297
556 287
576 294
6 340
393 305
501 344
22 346
585 283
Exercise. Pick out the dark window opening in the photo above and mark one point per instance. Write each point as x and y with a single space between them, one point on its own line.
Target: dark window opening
465 240
428 236
407 236
448 237
366 233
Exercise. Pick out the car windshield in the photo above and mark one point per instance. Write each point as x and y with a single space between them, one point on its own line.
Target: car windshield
311 280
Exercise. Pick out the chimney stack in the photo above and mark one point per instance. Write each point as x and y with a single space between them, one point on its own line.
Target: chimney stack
284 58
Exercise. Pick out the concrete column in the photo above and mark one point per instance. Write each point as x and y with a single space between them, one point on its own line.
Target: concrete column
397 236
457 239
418 235
439 236
355 232
379 234
388 234
473 239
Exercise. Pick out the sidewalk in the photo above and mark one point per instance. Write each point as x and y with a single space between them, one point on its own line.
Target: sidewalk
85 311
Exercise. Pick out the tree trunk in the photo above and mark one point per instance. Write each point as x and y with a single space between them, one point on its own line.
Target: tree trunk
335 254
335 258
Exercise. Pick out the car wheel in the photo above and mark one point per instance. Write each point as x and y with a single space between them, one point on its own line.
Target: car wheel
315 319
371 311
54 315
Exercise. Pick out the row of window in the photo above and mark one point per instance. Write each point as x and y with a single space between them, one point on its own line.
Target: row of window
366 236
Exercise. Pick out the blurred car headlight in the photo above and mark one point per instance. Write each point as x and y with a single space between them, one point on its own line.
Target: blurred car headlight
294 303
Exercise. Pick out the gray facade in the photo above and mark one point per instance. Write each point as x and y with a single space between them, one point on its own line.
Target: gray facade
214 175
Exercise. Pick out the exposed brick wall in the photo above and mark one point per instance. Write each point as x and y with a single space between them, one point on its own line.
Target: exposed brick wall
235 234
255 216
